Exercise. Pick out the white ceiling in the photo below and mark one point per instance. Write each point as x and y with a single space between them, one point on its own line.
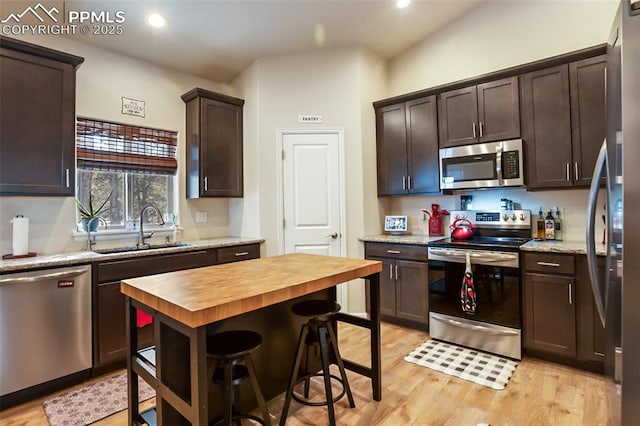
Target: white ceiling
217 39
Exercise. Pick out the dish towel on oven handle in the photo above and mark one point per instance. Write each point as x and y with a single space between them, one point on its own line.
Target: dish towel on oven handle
468 290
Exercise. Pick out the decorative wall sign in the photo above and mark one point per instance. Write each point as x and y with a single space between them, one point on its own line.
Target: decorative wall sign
309 119
133 107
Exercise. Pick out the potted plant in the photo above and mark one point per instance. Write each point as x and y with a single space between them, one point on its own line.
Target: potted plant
90 216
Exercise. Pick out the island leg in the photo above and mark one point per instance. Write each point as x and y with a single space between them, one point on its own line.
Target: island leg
376 353
132 346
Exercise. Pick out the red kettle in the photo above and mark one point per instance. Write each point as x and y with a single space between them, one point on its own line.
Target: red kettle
463 231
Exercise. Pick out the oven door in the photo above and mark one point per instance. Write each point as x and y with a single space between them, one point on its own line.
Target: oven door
497 285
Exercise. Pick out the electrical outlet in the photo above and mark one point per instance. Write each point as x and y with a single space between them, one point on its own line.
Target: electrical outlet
201 217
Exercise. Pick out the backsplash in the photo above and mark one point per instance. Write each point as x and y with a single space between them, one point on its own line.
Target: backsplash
572 203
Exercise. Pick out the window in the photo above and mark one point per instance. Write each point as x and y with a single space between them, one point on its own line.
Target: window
136 165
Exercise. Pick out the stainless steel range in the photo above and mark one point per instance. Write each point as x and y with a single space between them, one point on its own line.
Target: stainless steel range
493 322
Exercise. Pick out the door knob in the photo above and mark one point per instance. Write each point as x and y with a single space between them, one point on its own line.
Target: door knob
334 235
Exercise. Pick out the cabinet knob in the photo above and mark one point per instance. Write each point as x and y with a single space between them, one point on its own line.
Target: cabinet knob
334 235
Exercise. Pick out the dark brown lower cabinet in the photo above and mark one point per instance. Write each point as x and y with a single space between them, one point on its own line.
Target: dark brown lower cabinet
109 339
111 345
387 288
411 291
561 323
591 335
403 283
550 313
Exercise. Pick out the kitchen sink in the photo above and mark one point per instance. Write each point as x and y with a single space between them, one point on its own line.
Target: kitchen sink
143 248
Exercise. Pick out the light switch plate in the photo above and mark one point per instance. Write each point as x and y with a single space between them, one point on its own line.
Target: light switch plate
201 217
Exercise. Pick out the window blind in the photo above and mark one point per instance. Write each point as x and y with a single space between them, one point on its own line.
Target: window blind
104 145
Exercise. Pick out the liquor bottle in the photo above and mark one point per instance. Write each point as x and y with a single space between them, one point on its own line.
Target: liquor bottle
558 225
540 223
549 227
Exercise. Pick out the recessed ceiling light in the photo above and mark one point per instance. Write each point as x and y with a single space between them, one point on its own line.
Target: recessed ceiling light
401 4
156 20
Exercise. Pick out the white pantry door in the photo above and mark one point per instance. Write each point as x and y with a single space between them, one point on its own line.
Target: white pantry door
312 192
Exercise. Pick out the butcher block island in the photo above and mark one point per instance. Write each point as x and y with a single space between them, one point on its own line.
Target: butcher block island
257 295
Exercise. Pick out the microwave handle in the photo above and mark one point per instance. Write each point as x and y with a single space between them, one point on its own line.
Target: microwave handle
499 164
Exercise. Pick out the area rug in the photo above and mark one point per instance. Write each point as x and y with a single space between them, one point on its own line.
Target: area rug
93 402
478 367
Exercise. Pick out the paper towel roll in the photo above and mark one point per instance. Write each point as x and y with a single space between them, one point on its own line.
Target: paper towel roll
20 235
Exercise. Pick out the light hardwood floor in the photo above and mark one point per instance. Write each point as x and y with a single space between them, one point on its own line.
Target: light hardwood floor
539 393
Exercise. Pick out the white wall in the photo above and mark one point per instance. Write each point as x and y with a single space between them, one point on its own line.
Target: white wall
501 34
335 83
102 80
338 84
245 212
572 203
493 36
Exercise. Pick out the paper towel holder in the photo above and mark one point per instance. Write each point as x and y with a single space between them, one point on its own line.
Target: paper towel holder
18 256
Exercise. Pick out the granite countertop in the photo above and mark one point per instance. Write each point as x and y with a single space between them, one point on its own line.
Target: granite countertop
423 240
83 257
565 247
568 247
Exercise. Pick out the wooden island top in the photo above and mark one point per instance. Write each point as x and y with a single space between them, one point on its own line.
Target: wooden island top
187 306
197 297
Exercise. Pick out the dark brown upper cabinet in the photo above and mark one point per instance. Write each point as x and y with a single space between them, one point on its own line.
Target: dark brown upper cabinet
546 127
407 147
214 144
564 123
37 120
481 113
588 115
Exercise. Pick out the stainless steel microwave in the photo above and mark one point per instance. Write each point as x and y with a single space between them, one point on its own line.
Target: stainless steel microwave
482 165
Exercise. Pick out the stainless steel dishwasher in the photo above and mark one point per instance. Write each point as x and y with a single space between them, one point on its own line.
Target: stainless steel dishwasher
45 326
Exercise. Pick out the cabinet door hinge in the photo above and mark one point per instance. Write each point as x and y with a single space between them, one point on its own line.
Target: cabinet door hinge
284 224
283 154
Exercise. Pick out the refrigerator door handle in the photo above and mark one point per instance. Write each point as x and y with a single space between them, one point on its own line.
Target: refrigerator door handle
592 260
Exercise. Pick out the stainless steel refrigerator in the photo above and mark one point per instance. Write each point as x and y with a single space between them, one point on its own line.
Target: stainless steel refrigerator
618 297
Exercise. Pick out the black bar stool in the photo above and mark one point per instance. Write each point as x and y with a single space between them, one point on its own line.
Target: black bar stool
317 331
231 351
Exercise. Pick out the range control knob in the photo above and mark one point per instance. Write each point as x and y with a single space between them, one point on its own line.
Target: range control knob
513 217
505 217
522 216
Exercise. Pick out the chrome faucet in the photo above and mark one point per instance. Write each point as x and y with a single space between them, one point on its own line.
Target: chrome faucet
141 234
91 242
